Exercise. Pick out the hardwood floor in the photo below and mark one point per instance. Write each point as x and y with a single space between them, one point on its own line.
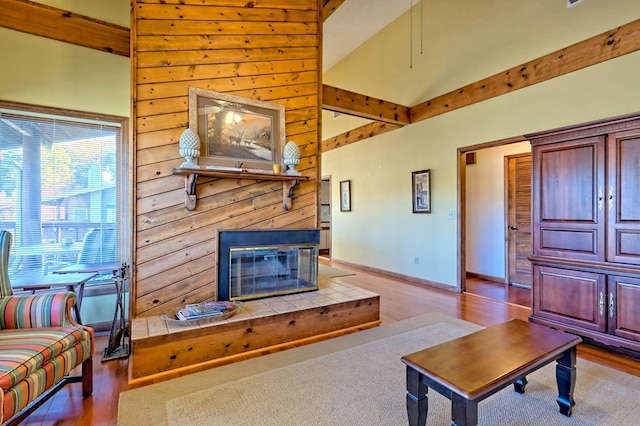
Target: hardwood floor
398 300
497 291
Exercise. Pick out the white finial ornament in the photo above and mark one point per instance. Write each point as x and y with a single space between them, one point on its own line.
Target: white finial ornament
190 148
291 155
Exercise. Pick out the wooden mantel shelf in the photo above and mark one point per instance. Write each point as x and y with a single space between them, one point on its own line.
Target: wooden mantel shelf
191 177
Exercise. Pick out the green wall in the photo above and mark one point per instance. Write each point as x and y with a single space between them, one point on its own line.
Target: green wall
36 70
465 41
40 71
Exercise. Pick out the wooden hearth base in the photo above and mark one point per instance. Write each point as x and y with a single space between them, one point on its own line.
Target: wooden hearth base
161 350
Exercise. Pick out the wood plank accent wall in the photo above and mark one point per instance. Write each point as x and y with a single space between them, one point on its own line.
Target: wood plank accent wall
268 50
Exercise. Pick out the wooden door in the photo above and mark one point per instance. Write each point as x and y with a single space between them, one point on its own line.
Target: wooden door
623 197
568 199
519 219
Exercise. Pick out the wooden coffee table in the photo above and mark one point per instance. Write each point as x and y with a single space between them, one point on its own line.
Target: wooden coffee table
474 367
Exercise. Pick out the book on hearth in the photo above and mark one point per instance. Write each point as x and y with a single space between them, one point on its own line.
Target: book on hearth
204 309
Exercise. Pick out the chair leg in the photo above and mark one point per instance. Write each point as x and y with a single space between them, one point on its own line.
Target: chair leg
87 377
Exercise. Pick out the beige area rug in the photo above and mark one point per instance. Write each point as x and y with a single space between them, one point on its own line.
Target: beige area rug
359 379
332 272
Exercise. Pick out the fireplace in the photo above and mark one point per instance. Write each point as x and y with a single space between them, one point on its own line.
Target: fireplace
254 264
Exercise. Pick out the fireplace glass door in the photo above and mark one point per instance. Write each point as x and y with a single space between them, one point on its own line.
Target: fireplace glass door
264 271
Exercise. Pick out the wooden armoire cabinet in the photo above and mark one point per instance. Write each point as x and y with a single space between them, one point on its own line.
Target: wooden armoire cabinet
586 230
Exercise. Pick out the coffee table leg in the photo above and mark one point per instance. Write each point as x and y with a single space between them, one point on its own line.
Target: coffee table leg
417 400
463 411
520 384
566 378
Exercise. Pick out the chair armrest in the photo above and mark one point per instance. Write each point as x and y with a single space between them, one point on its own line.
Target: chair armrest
39 310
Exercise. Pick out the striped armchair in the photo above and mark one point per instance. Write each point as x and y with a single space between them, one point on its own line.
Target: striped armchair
40 344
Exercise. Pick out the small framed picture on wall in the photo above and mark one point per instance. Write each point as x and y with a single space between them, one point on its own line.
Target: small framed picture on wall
345 196
421 188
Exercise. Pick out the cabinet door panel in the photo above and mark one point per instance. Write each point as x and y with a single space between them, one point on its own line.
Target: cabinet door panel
574 240
623 300
568 177
572 297
624 197
568 198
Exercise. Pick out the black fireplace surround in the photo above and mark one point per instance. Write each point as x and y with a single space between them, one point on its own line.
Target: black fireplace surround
260 263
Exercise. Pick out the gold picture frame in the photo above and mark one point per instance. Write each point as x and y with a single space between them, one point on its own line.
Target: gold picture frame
236 132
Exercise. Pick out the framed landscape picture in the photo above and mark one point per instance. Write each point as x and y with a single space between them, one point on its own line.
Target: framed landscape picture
235 131
421 187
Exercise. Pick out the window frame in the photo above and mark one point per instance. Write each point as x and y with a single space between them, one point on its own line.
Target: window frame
124 174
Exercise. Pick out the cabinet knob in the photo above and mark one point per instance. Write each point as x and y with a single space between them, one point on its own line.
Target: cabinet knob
513 228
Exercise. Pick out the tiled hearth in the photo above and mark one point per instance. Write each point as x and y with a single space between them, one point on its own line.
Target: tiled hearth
328 293
161 348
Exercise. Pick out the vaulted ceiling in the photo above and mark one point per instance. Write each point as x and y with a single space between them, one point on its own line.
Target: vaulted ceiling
352 23
348 23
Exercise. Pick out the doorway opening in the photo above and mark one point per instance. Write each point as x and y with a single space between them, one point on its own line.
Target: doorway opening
490 249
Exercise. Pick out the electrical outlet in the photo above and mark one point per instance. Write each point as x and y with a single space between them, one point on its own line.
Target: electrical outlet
416 260
451 215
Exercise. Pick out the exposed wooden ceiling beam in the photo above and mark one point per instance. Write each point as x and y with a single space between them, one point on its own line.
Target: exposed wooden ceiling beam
600 48
358 134
62 25
330 6
58 24
344 101
603 47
